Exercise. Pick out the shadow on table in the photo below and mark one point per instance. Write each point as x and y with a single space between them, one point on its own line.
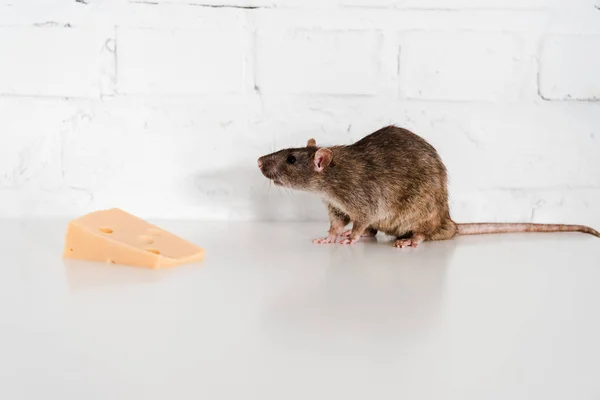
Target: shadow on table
243 192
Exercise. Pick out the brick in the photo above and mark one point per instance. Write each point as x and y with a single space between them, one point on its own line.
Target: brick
103 14
291 120
319 62
175 133
567 206
570 68
395 22
455 4
32 156
488 146
413 4
65 62
158 61
182 16
183 138
459 66
221 3
259 3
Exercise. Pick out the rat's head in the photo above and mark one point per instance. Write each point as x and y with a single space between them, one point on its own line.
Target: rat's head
297 168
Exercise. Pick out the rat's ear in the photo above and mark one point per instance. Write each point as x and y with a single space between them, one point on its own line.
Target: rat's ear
311 143
323 158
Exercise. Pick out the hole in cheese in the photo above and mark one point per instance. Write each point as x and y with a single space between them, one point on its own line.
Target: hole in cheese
147 239
106 230
153 251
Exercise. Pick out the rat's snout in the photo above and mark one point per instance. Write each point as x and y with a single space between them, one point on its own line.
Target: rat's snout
263 165
266 166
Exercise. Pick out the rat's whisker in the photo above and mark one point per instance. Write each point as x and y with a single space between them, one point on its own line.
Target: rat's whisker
290 194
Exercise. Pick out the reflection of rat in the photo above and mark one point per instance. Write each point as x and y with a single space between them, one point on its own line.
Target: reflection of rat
391 181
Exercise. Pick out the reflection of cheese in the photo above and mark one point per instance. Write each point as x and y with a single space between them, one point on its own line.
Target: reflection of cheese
118 237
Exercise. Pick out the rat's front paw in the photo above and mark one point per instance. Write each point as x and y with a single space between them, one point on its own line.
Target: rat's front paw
325 240
348 241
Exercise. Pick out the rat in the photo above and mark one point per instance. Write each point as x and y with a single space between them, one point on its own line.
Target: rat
391 181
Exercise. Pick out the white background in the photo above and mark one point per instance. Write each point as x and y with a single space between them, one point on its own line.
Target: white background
162 107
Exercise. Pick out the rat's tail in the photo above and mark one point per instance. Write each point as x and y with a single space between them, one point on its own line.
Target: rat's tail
483 228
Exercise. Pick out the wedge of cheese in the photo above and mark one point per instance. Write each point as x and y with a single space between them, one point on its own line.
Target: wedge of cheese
117 237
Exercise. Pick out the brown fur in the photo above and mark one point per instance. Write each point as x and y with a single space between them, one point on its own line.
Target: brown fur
391 181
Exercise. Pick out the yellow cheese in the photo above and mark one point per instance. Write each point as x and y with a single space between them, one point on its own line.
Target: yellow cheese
117 237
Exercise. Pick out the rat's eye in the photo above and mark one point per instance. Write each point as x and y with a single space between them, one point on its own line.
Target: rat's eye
291 159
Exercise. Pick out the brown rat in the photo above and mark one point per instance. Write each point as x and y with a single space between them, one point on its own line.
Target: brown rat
391 181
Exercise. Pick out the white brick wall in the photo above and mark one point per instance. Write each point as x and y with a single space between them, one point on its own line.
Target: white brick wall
563 61
319 62
163 107
33 62
462 66
164 62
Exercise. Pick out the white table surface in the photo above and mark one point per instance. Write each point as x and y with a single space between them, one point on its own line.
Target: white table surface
269 315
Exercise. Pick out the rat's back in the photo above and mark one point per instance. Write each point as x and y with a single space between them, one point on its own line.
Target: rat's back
402 156
397 140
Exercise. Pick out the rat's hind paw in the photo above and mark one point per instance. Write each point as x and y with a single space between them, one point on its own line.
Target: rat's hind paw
402 243
413 241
